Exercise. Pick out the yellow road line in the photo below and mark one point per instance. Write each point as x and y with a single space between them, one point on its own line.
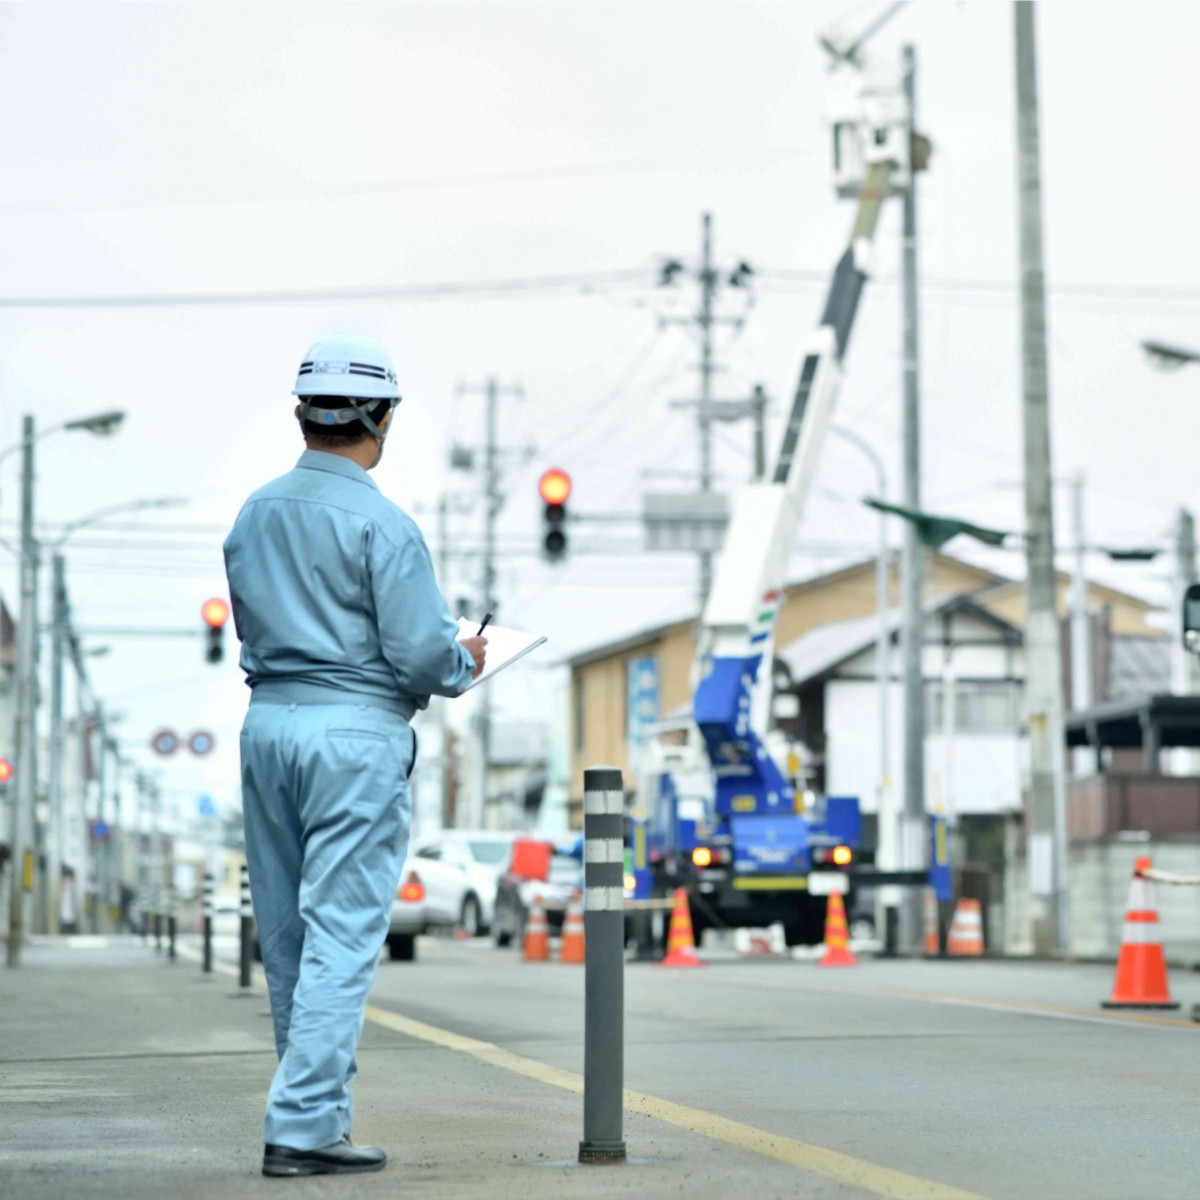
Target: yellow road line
843 1168
831 1164
1031 1008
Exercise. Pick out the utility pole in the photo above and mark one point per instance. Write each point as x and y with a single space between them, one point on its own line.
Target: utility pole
708 287
708 410
55 841
1047 855
913 842
493 500
23 731
758 405
1082 683
1183 664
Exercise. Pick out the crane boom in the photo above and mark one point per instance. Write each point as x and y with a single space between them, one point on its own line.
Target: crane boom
733 690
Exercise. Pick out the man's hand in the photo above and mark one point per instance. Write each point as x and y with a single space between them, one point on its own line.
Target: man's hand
477 648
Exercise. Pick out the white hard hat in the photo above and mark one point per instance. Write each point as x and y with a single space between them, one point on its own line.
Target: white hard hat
347 364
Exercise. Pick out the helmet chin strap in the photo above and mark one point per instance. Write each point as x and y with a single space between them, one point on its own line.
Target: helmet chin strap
356 410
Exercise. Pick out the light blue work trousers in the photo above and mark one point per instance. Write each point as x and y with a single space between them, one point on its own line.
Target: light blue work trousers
327 807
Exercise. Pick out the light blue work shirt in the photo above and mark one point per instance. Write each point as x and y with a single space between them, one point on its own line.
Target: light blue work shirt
334 596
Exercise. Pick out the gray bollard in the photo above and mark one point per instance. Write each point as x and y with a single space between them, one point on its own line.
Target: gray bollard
604 983
171 923
209 884
247 932
157 930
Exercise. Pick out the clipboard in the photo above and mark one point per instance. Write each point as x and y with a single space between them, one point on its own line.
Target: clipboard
505 647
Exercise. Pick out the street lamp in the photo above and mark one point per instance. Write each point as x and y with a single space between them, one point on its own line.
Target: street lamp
59 626
889 840
1169 358
102 424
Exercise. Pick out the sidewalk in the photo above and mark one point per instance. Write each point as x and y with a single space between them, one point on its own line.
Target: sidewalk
124 1077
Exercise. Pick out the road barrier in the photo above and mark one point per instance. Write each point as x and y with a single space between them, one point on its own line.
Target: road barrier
573 947
247 934
535 945
1141 980
837 935
604 982
933 937
681 944
209 887
965 939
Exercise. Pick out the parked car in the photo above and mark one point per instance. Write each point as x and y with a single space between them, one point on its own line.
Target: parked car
449 881
515 896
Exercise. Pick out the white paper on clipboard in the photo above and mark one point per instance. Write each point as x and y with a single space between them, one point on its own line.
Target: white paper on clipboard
504 646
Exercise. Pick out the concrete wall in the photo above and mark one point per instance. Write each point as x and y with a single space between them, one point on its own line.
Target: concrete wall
1100 875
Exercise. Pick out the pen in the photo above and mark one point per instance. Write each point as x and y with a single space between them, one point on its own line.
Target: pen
487 617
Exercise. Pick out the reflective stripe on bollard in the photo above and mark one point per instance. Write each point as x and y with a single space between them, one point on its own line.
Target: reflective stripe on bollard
604 983
208 922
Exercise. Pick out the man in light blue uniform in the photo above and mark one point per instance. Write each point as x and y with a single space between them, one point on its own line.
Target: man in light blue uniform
344 637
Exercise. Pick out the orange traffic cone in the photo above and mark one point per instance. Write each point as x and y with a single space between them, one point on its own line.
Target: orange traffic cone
572 948
536 946
1141 968
837 941
681 944
933 941
965 939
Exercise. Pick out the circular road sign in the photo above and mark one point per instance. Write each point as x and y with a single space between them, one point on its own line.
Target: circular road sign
164 742
202 742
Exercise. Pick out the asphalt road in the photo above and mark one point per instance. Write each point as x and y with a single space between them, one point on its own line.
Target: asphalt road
1003 1079
122 1077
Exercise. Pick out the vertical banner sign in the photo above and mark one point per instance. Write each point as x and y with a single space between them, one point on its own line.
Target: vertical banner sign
641 703
939 857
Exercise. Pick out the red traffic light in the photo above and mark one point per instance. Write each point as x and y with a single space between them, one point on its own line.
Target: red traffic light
554 486
215 612
5 770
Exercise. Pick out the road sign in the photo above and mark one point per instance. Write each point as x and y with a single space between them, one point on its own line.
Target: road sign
202 742
99 830
205 807
165 742
688 521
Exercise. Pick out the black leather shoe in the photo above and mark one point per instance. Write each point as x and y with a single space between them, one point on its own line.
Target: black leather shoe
339 1159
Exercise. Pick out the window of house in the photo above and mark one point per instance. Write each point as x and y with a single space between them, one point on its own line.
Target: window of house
979 707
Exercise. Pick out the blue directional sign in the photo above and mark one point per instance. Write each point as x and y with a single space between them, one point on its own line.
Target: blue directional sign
205 807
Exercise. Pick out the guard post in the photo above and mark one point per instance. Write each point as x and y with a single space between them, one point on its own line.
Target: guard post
247 933
604 982
209 884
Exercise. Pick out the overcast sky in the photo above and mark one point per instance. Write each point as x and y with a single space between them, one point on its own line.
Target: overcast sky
175 150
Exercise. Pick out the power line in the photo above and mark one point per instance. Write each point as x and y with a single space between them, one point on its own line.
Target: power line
548 174
419 291
1005 289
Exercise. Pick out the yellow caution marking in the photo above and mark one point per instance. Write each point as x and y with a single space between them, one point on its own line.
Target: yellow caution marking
831 1164
770 883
